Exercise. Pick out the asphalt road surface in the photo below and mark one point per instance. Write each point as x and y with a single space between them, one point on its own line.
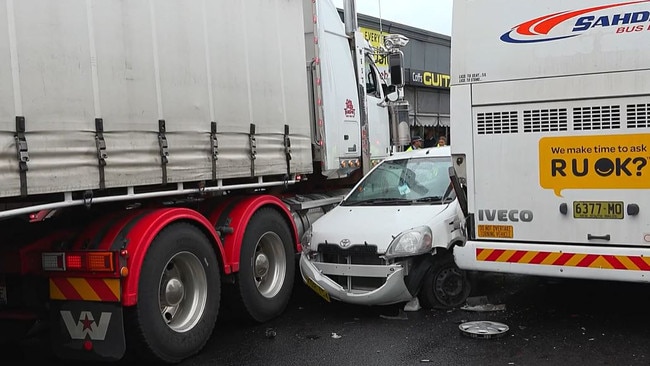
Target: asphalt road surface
551 322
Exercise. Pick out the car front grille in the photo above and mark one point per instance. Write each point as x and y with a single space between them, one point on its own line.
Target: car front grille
357 254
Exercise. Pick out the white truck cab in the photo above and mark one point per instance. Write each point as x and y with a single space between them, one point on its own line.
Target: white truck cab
391 237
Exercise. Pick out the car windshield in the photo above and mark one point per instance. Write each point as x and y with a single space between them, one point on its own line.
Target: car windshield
406 181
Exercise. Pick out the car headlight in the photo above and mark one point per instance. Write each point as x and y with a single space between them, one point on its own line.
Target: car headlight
411 242
305 241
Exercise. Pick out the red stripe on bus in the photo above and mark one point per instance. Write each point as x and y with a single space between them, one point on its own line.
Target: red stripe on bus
496 253
587 261
539 257
516 256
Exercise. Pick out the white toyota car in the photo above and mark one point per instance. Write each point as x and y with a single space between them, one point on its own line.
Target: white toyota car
390 240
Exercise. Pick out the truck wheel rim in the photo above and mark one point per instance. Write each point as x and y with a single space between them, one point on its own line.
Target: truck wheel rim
183 292
269 264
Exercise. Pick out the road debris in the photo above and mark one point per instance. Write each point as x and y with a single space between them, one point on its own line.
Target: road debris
270 333
485 308
335 336
413 305
483 329
481 304
401 315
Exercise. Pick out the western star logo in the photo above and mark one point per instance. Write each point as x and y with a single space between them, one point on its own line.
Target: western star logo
86 326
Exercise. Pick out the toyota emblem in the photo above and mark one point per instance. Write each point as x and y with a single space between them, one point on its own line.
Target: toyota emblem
345 243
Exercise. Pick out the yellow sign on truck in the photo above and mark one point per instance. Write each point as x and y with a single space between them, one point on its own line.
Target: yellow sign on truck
376 40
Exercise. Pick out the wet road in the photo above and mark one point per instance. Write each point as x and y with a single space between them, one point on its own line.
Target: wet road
552 322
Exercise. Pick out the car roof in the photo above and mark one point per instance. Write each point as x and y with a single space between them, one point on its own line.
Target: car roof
442 151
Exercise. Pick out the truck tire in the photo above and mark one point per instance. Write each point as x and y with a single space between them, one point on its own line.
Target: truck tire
445 285
178 297
267 266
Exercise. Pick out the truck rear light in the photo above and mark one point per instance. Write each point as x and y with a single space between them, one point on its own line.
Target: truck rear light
100 262
79 261
53 262
73 262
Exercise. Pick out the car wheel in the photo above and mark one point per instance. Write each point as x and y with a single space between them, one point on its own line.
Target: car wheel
445 286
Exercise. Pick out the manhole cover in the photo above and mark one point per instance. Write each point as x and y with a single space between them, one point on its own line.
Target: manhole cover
483 329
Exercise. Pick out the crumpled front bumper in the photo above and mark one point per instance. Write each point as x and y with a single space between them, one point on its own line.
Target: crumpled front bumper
391 292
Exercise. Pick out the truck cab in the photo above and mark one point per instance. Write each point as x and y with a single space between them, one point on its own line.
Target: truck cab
390 239
354 123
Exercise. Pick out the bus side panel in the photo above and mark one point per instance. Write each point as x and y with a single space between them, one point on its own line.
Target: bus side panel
463 134
503 40
534 156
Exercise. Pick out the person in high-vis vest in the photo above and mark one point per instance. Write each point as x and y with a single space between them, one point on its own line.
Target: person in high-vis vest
416 143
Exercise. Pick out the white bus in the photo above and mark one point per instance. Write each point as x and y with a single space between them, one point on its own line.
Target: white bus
550 111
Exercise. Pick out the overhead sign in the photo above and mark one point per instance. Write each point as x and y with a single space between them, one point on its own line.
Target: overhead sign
594 162
428 79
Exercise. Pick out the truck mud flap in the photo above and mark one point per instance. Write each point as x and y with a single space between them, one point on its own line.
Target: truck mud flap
88 330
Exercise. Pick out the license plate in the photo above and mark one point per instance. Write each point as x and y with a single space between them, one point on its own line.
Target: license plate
598 210
496 231
3 291
317 289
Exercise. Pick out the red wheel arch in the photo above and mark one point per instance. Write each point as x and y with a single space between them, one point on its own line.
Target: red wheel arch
239 211
141 230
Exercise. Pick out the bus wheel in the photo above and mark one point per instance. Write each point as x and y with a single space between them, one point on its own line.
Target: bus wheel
178 296
445 285
267 266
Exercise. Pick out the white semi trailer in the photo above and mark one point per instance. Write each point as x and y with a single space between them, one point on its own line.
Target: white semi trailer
158 158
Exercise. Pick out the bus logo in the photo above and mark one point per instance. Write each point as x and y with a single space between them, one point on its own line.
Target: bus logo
572 23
